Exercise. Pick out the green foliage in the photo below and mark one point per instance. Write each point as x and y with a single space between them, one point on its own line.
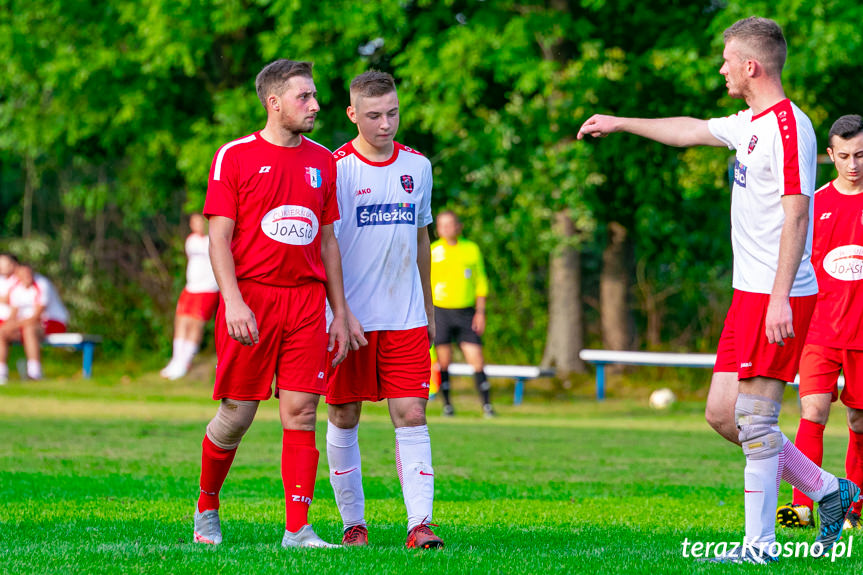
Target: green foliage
110 114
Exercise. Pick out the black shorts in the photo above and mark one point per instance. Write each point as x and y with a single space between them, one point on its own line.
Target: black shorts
454 325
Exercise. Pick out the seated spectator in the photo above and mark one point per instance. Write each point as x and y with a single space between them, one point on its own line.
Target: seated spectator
197 303
35 311
8 263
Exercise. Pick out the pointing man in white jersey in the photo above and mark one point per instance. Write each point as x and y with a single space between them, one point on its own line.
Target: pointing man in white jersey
384 193
774 282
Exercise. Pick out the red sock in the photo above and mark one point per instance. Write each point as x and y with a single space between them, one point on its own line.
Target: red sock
299 469
854 463
215 464
810 441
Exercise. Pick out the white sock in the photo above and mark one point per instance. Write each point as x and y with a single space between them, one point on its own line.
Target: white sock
761 493
346 473
800 472
188 350
4 371
177 350
414 464
34 369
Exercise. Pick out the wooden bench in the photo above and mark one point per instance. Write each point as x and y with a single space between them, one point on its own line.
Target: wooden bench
602 357
520 373
86 343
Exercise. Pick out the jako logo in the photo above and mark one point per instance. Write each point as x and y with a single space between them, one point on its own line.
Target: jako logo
301 499
845 263
385 214
363 191
292 225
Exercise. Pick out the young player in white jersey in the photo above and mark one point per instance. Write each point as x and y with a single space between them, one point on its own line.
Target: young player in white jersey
835 340
35 311
774 283
384 194
197 303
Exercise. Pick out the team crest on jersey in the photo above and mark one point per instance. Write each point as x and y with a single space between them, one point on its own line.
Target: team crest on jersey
408 183
313 177
752 143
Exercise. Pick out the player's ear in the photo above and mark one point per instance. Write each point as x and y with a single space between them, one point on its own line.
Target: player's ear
830 153
273 102
352 114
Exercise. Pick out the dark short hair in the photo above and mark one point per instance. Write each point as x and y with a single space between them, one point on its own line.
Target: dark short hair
372 84
762 40
846 127
274 76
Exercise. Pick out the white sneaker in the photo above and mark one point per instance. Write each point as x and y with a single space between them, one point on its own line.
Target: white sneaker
208 528
305 537
168 369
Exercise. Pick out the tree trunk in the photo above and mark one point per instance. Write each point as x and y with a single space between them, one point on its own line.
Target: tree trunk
565 315
614 307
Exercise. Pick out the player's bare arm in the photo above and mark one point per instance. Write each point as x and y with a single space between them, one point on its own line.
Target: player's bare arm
424 265
791 245
678 131
332 259
240 320
478 322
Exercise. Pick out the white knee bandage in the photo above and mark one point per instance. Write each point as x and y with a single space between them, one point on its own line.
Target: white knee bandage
758 421
231 422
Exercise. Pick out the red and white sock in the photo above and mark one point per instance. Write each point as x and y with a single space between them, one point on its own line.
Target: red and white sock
215 464
810 442
346 473
414 465
800 472
854 464
299 468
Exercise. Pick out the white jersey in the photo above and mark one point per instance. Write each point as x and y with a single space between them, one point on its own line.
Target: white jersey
382 205
41 292
6 284
776 156
199 270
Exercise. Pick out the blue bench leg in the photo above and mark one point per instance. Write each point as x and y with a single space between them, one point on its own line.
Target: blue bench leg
600 381
518 393
87 367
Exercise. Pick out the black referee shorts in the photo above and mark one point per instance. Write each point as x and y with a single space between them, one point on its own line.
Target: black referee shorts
454 325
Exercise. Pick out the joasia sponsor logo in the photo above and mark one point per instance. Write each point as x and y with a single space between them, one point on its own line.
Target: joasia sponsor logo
845 263
292 225
716 549
385 214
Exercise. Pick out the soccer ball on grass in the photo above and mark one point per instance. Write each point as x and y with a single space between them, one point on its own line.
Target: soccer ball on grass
662 398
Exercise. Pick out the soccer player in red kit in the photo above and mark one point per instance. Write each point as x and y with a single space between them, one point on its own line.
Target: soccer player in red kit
384 191
271 202
773 280
835 340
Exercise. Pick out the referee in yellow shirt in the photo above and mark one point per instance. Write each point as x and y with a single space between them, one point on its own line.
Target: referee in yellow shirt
459 290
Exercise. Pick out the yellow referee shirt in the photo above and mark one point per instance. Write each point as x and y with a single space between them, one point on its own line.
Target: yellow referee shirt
457 274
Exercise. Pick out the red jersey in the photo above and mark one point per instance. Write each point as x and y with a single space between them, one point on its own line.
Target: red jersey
279 198
837 255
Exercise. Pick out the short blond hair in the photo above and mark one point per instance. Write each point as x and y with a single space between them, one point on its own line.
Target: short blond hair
372 84
761 39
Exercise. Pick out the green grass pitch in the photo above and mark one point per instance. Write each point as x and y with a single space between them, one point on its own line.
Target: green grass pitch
101 477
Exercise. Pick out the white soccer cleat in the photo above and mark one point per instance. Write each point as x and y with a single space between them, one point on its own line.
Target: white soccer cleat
305 537
208 528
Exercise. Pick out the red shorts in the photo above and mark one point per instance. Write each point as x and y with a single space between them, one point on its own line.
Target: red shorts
292 344
819 373
53 326
201 306
393 364
743 346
